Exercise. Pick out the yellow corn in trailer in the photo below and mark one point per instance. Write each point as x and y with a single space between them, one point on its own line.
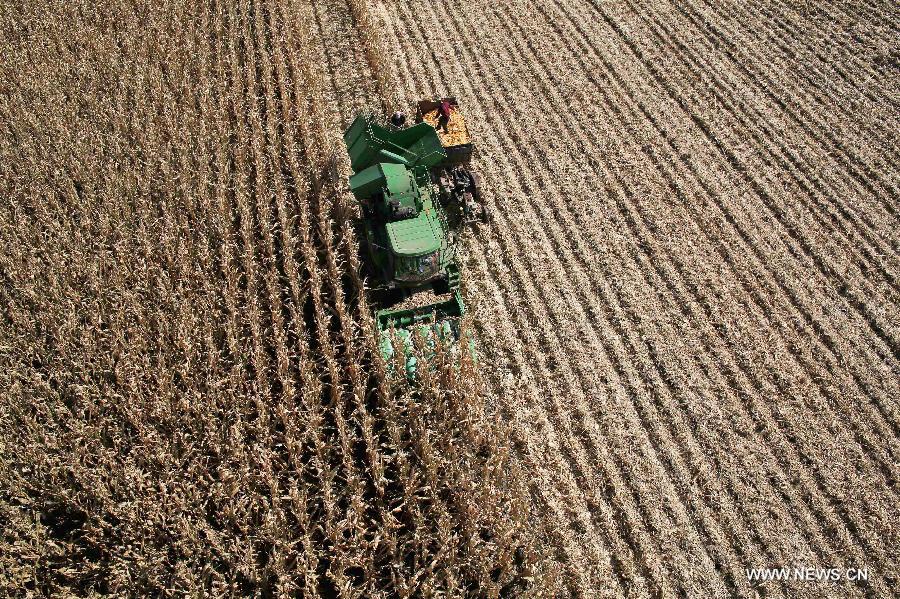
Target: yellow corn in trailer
455 140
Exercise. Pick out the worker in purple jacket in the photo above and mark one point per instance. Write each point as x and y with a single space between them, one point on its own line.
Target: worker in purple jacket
443 115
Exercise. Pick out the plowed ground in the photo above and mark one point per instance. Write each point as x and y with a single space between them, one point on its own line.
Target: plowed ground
688 297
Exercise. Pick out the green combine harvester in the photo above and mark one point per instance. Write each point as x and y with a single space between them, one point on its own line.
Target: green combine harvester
407 231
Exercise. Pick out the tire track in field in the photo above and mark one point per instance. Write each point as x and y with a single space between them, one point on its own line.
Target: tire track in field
825 271
557 36
514 35
894 424
826 338
765 81
875 112
803 47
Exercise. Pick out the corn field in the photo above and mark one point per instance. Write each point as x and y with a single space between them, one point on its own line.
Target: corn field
685 303
192 403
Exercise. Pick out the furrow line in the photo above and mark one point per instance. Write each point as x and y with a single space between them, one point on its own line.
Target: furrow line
875 118
582 374
658 166
883 414
568 226
874 323
789 162
815 325
854 165
600 215
790 40
787 48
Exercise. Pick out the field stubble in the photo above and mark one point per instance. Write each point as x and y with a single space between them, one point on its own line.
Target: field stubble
693 270
686 302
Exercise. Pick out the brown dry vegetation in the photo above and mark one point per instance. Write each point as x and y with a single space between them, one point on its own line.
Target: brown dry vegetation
189 399
686 303
689 294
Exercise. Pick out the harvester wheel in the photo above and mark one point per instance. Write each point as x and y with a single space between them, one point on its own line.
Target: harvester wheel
476 185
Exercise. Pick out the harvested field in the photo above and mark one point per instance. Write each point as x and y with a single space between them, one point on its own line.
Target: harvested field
686 302
688 299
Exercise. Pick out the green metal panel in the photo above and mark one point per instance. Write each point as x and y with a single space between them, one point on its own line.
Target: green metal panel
396 178
368 143
422 140
358 148
393 177
367 182
415 236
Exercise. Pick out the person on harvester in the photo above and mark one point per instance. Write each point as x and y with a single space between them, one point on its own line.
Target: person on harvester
398 119
443 115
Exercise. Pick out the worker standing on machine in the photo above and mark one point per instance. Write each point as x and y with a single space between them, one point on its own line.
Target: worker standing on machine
443 115
398 119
